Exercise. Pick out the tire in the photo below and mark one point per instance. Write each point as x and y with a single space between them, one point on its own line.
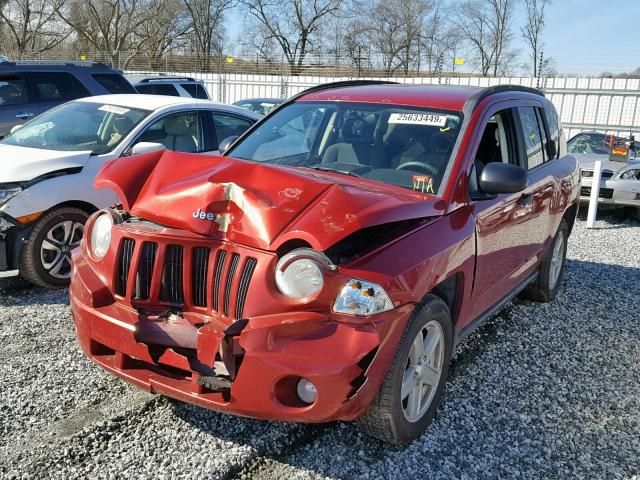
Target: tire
545 287
45 258
388 416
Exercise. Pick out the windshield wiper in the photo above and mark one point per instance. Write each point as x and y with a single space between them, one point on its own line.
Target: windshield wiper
333 170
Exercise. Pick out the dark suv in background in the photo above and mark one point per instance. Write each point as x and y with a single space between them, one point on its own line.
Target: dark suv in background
28 88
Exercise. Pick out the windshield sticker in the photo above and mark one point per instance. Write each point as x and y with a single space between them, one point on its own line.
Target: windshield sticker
114 109
424 183
418 119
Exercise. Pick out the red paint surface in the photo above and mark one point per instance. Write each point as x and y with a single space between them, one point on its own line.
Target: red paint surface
488 246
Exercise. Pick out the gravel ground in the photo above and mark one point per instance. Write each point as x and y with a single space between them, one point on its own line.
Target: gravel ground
542 391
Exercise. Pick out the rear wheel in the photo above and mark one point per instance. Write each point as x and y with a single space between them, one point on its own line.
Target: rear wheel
409 397
45 258
546 286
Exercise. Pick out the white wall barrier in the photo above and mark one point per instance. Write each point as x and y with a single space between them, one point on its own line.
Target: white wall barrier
605 104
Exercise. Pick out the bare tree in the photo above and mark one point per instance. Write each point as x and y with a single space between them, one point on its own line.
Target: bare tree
207 32
486 26
32 25
532 29
164 32
111 26
291 24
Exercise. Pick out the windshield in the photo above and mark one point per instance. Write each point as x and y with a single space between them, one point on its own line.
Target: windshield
78 126
397 145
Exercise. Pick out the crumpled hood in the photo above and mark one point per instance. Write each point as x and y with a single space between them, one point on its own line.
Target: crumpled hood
21 164
255 204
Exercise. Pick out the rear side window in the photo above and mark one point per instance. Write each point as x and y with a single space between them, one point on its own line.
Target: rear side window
532 136
148 89
56 87
195 90
113 82
166 89
13 91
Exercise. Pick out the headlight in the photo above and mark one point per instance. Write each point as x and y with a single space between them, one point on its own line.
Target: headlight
633 174
300 273
362 298
4 225
6 193
101 234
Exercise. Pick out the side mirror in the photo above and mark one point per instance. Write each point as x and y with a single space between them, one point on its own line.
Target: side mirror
226 143
552 150
498 177
15 128
146 147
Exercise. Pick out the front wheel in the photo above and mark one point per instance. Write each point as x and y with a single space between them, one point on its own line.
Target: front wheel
545 287
45 259
409 397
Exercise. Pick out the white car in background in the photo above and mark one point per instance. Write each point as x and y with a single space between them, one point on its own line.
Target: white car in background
47 168
619 181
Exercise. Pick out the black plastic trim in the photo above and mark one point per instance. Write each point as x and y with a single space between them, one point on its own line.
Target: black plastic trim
479 321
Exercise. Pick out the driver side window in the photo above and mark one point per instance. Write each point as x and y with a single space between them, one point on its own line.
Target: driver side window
496 145
180 132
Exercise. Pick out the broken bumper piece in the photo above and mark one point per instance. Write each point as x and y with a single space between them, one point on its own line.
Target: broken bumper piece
248 368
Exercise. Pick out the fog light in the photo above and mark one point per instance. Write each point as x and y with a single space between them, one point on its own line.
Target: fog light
307 391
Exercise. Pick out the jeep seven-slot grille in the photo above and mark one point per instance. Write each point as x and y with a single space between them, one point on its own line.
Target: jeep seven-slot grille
199 267
172 276
229 273
124 264
145 270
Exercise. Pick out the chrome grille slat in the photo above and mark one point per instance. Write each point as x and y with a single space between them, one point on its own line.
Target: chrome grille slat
199 267
172 290
124 264
220 258
148 254
243 288
235 258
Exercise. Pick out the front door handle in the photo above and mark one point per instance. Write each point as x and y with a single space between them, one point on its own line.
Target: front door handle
25 115
525 199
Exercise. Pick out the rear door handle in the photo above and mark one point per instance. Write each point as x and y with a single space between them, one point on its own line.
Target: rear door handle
525 199
23 115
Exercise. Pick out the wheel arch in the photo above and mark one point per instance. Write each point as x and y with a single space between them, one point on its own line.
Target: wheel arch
87 207
570 215
450 290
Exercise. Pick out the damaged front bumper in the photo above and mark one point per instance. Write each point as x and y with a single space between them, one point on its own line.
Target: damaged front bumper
247 367
11 236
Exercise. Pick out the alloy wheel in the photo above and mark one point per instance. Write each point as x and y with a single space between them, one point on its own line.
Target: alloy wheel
55 252
557 259
423 371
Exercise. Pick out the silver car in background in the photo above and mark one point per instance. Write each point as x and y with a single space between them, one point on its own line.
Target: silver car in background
619 183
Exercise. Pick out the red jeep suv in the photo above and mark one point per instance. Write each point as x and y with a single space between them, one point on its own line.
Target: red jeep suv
324 267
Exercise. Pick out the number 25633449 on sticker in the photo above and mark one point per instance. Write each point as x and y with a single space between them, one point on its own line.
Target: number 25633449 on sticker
418 119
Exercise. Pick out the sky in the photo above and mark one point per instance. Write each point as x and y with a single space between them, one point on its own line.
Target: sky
592 36
585 37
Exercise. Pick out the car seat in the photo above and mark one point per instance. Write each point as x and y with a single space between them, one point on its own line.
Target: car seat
356 145
178 136
488 151
122 125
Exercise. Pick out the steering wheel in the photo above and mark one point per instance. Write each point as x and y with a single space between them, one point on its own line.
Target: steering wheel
413 164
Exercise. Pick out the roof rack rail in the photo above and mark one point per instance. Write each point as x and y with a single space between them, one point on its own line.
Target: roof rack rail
161 78
55 63
475 99
343 83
